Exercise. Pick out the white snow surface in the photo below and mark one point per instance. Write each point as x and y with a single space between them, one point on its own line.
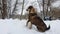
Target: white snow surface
16 26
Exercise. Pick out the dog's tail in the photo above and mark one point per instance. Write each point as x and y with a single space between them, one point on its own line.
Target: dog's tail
48 28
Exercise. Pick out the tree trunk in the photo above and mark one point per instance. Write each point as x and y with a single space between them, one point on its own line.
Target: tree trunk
9 8
43 10
4 11
22 9
48 5
15 6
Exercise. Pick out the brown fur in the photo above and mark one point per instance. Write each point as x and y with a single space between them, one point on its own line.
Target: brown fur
36 20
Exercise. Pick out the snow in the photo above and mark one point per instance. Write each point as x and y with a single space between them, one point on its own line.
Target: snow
16 26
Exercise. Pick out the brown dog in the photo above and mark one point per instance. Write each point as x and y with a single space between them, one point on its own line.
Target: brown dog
34 19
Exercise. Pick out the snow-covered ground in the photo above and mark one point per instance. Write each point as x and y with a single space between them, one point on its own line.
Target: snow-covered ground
16 26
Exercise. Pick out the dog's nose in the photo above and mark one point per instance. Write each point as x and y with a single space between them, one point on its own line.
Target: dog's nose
26 9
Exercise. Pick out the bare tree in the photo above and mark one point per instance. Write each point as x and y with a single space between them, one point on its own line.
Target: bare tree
15 6
43 9
0 8
22 9
9 8
48 5
4 11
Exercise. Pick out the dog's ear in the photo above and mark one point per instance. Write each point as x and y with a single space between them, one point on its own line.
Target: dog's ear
30 7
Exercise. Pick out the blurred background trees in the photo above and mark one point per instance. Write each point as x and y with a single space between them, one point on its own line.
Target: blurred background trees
16 8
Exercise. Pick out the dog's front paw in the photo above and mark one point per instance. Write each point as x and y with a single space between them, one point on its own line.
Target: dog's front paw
29 25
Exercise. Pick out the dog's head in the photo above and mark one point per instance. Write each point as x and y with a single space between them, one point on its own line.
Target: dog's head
31 9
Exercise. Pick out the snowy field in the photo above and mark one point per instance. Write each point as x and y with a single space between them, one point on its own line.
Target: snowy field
16 26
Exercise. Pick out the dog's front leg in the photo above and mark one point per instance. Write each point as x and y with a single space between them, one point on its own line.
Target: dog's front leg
27 23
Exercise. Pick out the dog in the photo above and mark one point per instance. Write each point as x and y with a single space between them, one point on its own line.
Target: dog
36 20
